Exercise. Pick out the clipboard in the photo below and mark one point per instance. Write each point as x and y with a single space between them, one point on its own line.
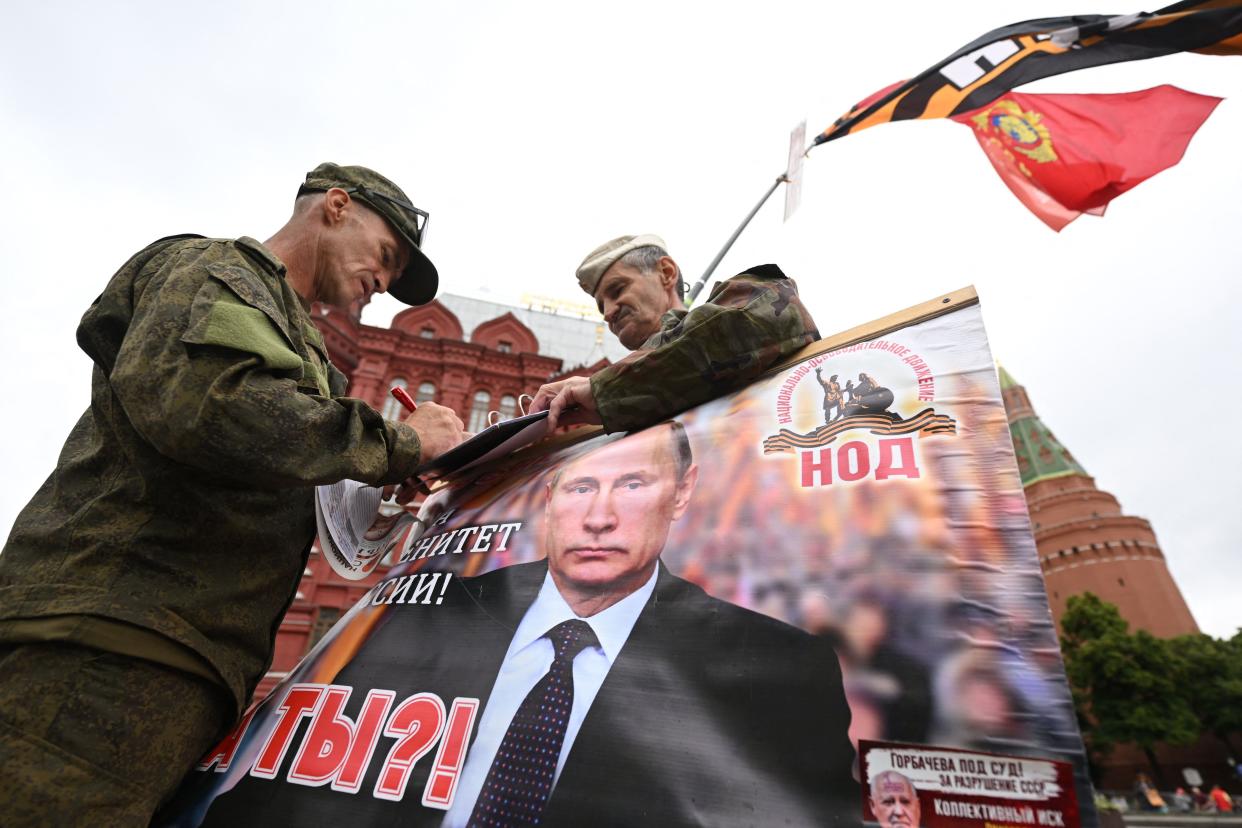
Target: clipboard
492 442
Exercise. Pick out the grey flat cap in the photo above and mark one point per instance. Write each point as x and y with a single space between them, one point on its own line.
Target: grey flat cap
603 257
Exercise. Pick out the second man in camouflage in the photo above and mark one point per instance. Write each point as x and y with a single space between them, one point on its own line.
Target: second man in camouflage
681 357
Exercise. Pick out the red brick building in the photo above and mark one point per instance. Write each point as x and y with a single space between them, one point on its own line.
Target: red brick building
1085 543
471 355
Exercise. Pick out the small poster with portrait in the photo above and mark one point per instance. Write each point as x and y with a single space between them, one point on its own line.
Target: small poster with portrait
759 612
939 787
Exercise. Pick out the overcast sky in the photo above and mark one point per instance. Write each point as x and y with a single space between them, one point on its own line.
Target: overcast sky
534 131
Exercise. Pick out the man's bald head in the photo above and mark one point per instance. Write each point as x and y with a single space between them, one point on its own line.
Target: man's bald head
894 800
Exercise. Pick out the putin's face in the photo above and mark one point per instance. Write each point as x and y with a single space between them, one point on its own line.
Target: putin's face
608 514
894 801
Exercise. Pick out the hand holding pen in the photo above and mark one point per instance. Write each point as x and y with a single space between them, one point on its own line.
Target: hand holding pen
439 428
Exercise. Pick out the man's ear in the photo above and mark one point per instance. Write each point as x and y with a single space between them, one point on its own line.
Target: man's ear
668 273
681 497
335 202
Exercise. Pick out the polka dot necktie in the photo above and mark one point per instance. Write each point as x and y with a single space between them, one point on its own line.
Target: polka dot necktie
520 780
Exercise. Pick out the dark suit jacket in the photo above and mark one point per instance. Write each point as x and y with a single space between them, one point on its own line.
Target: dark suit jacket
711 715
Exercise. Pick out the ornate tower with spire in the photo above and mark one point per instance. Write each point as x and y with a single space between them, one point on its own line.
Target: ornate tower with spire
1085 542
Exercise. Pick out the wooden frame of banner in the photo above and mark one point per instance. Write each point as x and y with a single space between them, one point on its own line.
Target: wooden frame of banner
949 302
946 303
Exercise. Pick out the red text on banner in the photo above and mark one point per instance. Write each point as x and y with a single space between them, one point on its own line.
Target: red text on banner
856 460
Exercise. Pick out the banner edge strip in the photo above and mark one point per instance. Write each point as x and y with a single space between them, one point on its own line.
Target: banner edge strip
945 303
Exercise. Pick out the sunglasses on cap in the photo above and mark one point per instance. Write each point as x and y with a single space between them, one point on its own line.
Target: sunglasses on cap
419 217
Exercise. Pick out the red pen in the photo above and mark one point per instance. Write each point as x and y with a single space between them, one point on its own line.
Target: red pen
402 396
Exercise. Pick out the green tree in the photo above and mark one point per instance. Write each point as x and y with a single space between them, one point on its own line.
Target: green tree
1125 686
1211 679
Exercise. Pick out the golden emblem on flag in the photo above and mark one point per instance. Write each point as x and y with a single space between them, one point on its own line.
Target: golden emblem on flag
1025 131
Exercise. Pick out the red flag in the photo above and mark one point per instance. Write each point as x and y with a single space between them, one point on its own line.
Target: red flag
1065 155
1011 56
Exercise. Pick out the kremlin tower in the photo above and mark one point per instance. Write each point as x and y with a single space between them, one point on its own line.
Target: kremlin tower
1085 543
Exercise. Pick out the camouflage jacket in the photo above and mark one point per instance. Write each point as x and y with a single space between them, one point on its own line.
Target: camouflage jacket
747 325
178 519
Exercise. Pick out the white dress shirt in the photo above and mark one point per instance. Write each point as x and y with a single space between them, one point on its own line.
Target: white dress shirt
527 661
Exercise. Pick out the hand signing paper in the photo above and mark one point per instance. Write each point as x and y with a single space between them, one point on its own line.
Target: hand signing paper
568 402
439 430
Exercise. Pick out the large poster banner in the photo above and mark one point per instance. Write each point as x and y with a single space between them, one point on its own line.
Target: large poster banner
695 624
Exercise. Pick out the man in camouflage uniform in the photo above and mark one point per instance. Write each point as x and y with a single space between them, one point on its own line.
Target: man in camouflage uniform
681 358
141 588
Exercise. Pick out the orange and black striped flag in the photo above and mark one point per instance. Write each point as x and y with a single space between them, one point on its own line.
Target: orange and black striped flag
982 71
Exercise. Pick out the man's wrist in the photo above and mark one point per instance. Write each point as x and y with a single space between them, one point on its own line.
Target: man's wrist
604 406
404 451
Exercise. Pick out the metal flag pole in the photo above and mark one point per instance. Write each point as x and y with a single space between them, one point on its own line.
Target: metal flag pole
711 268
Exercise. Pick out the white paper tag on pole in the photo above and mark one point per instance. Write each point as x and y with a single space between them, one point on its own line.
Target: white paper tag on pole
793 172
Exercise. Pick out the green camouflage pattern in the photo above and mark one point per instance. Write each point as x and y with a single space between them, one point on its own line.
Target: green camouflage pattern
182 502
747 325
93 738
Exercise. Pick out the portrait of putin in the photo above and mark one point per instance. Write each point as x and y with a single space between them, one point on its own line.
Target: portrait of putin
609 512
